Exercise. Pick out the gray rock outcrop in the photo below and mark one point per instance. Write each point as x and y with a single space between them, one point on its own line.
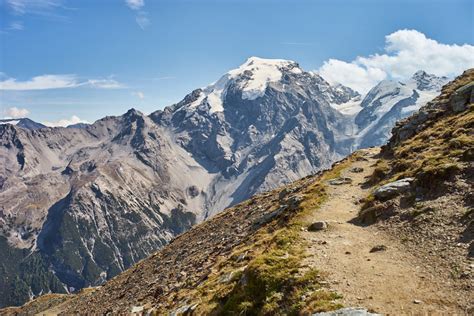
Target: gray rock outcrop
394 188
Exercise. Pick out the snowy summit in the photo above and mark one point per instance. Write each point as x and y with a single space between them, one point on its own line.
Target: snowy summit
252 78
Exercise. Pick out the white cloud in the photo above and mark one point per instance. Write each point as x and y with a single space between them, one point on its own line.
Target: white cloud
16 26
139 95
142 16
406 51
135 4
21 7
16 10
66 122
15 112
164 78
49 9
40 83
45 82
105 83
17 6
350 74
142 19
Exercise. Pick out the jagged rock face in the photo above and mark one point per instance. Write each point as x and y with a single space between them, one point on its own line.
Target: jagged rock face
260 132
390 101
91 202
339 94
425 81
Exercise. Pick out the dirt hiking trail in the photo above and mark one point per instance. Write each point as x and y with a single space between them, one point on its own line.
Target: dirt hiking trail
390 281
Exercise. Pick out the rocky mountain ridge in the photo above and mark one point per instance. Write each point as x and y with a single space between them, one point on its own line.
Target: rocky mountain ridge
23 123
390 101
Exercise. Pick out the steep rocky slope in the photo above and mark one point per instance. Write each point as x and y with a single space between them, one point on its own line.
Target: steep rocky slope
80 205
260 256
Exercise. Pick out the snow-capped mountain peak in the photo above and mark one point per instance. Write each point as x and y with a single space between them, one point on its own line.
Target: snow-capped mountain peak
258 72
252 78
383 90
390 101
256 63
425 81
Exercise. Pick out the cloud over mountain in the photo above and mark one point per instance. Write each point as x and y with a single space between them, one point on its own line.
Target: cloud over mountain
66 122
406 51
15 112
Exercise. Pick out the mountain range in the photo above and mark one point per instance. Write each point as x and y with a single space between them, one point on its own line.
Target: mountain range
386 230
79 205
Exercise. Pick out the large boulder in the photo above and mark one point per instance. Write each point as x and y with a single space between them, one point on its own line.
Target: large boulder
317 226
462 97
340 181
393 189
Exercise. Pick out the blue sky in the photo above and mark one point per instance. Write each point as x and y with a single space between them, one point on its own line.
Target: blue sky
106 56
